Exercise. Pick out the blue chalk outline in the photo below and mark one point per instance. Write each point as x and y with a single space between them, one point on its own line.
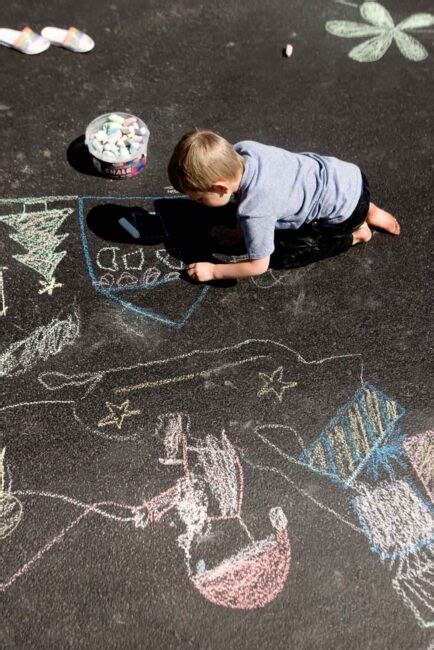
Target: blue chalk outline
411 549
340 418
109 293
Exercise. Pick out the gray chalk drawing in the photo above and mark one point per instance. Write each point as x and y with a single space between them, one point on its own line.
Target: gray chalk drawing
11 509
36 223
45 341
382 31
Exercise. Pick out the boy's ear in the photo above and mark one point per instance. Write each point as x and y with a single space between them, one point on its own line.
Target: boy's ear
221 188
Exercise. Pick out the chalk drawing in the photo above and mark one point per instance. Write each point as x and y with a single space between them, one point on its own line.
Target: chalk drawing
118 412
43 342
420 450
250 578
272 278
254 576
134 261
344 447
414 582
113 294
381 27
395 518
11 509
274 384
164 256
387 457
4 308
110 264
188 371
36 224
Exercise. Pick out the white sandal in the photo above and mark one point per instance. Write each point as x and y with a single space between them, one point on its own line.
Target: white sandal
72 39
26 41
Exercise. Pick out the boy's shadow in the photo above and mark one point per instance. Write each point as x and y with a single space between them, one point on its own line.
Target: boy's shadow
184 228
188 230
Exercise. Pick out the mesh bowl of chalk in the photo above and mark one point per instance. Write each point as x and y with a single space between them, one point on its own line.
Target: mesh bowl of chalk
118 144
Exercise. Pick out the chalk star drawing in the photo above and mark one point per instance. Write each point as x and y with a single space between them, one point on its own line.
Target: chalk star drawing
48 287
384 31
273 380
118 413
36 224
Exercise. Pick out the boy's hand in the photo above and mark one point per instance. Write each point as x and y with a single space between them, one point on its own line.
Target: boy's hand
201 271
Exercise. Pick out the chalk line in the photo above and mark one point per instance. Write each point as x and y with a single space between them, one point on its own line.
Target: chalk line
303 492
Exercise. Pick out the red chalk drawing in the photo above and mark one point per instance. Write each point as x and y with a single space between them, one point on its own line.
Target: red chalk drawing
254 576
420 450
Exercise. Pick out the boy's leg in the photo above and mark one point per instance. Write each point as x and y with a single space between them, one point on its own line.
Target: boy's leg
377 218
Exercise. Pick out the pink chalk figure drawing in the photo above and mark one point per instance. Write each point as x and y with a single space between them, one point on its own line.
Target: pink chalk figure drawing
420 450
209 490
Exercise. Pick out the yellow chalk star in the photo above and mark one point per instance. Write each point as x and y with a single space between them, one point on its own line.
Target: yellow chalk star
118 413
48 287
273 384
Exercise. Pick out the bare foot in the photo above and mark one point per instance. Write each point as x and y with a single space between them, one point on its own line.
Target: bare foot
378 218
362 234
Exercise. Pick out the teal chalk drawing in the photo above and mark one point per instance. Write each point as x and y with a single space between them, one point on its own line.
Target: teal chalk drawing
382 31
346 444
113 293
36 223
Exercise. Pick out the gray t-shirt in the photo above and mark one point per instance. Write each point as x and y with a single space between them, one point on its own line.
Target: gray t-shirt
280 189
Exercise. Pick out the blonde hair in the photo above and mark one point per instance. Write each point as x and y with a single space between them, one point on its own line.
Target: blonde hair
200 159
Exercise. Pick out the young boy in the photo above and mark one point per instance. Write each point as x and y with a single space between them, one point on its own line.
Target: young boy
322 203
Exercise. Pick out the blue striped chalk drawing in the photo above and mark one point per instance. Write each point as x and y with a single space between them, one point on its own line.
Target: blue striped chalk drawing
112 292
345 445
396 519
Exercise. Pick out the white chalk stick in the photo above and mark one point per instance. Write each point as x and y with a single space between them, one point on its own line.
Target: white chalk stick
129 228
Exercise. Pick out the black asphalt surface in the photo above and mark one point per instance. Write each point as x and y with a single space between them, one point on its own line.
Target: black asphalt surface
270 362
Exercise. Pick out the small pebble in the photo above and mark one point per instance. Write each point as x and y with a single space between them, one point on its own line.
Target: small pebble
129 120
116 118
288 50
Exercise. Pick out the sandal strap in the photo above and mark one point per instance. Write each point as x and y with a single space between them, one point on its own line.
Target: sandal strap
73 37
26 38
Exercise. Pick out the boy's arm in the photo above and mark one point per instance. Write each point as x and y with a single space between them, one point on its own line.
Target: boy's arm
206 271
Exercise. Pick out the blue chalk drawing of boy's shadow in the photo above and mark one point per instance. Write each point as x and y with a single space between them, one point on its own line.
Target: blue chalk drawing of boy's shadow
180 226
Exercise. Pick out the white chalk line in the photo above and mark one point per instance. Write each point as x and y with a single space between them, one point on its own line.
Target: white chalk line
303 492
159 362
47 401
187 377
91 507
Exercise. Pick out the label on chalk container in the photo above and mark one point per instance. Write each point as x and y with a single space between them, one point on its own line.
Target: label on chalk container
121 170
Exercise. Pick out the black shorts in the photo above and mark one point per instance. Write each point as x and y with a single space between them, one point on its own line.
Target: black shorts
318 239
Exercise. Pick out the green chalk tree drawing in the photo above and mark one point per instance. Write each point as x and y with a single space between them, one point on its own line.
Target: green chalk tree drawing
384 31
36 231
